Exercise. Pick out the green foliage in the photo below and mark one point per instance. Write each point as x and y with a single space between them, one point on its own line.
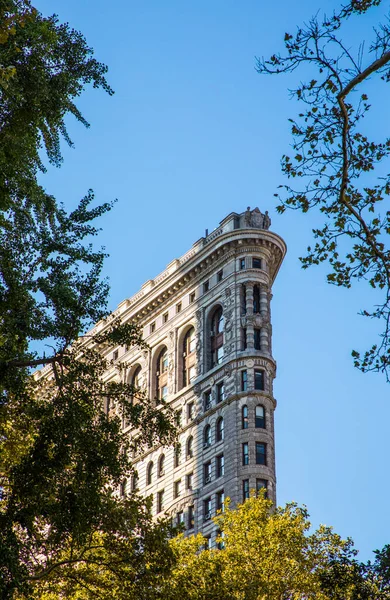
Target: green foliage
270 554
61 455
337 169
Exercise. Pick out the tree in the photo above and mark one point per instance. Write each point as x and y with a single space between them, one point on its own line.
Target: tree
270 554
62 455
337 170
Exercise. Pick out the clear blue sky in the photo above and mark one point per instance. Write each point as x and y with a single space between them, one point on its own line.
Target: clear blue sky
192 134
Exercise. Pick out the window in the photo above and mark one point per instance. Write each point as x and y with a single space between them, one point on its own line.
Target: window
244 417
243 299
244 381
243 338
206 286
152 327
256 263
108 406
256 298
219 433
162 375
191 517
256 331
190 411
216 335
134 482
207 473
160 501
122 489
261 484
161 465
219 539
189 357
177 455
192 297
207 509
207 400
135 382
261 453
180 519
220 392
245 453
260 417
190 449
177 488
149 474
220 465
178 307
178 417
207 544
245 489
220 275
207 436
115 355
242 264
220 499
259 380
189 481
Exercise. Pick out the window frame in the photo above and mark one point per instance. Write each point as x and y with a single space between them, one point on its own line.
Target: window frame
244 417
219 431
244 380
219 466
149 473
263 454
207 472
256 372
260 422
220 389
245 489
245 454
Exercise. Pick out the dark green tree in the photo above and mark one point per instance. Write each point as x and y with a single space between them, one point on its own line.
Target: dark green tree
61 455
337 169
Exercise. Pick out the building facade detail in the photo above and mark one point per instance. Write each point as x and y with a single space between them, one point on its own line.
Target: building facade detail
207 321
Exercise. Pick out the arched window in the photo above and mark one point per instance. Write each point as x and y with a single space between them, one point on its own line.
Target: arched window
216 335
161 464
149 474
244 417
256 298
136 381
207 436
219 430
177 455
162 375
189 357
260 417
190 449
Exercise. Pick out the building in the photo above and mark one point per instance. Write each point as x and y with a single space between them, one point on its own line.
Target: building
207 321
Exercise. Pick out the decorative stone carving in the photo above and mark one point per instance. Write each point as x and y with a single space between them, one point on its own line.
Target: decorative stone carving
255 218
228 315
228 370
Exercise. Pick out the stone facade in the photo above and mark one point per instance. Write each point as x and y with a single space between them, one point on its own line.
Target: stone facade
207 321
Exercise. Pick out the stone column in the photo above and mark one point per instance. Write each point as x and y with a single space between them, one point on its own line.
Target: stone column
264 339
250 335
264 301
